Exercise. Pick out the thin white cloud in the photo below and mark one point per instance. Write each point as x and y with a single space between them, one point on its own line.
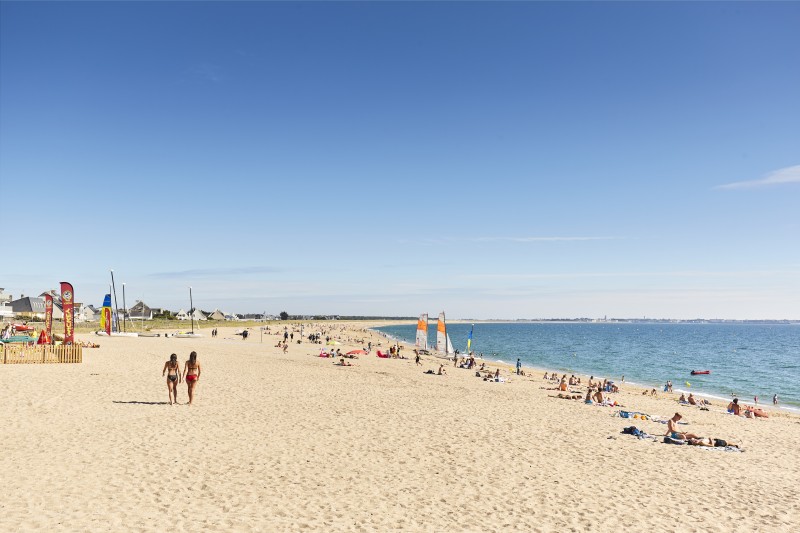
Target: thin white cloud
446 240
777 177
214 273
676 274
541 239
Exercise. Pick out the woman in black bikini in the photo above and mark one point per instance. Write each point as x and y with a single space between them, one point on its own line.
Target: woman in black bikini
192 374
173 371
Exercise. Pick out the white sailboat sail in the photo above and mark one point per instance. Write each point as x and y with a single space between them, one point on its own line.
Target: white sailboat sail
422 331
443 342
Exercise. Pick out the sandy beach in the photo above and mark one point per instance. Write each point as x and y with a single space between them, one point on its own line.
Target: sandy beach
289 441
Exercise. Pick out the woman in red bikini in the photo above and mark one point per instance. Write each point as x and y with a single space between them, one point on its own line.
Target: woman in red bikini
192 374
173 377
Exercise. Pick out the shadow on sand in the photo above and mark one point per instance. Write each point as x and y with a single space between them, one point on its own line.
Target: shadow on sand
143 403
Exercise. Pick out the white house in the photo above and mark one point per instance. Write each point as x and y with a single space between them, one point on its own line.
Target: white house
197 314
87 313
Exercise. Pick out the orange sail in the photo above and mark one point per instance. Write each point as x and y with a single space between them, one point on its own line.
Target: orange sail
422 331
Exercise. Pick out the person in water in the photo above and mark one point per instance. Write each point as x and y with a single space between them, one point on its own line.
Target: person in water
192 374
172 369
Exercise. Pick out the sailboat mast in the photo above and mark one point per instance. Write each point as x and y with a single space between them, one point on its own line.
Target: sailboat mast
125 315
191 308
116 305
444 323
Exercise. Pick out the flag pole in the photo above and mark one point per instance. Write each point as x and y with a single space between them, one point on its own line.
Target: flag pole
116 305
125 306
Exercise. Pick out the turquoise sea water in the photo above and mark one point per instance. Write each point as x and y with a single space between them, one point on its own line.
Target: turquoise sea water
745 360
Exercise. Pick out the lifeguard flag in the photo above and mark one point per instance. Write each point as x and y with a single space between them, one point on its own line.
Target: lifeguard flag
105 316
68 306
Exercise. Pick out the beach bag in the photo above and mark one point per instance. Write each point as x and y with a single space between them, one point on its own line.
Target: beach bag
670 440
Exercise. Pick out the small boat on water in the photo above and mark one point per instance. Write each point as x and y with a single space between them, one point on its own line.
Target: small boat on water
700 372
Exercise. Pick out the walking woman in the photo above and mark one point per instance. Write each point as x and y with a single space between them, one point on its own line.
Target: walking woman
172 369
192 373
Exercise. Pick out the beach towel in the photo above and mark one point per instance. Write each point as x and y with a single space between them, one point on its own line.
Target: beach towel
721 449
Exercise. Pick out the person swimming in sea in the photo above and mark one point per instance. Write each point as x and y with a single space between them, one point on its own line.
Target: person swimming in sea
172 369
191 374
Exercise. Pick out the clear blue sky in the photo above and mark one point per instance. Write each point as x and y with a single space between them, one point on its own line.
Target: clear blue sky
490 160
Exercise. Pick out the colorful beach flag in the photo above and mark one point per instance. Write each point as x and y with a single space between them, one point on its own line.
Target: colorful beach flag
469 339
68 308
105 316
48 314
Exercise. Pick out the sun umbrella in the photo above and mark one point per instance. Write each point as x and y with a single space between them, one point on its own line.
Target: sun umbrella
356 352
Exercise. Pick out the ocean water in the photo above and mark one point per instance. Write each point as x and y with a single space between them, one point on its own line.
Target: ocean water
745 360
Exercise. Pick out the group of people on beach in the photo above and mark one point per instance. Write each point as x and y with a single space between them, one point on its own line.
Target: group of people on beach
747 411
190 373
673 432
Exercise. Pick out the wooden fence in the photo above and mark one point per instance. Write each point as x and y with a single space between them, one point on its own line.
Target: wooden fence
21 354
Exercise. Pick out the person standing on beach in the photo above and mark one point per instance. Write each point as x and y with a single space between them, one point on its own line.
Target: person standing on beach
519 366
173 377
775 400
192 374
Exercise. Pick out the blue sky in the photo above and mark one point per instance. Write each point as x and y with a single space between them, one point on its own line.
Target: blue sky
493 160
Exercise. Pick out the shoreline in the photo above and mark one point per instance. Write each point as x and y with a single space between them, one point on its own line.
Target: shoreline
790 409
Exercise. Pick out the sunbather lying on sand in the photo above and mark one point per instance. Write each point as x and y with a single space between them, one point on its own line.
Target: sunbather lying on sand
711 443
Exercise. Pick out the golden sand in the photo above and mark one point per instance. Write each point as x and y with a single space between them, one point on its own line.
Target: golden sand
291 442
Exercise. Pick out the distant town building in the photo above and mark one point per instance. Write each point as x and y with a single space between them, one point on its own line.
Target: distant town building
140 311
28 307
87 313
216 315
